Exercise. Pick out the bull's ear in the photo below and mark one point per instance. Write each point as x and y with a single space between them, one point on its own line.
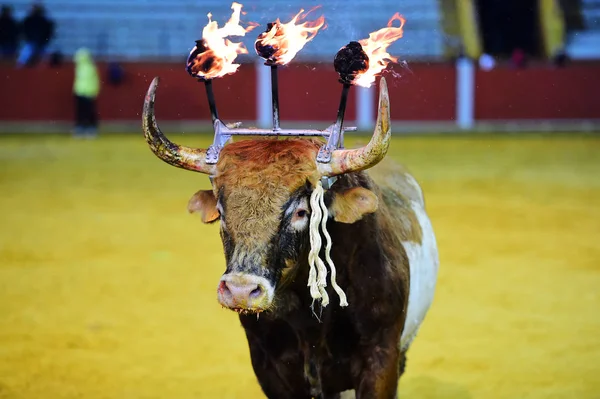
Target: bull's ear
205 203
351 205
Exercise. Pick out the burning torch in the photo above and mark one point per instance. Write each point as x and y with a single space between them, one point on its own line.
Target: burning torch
213 56
198 65
279 44
359 62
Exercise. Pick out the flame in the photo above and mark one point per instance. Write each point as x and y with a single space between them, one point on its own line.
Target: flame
285 40
375 48
215 54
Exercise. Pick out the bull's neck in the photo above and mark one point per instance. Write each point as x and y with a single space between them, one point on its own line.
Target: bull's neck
354 246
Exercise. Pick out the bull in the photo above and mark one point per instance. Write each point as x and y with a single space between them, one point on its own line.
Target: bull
380 256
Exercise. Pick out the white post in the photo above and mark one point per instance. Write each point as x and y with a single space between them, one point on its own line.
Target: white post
365 107
465 93
264 113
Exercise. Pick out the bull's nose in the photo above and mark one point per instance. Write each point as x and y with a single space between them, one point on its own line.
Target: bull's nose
244 292
247 291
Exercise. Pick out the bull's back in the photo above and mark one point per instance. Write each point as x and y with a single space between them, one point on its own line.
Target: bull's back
402 201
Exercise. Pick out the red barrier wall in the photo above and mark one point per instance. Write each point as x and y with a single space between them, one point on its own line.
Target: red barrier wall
312 92
541 92
45 93
308 92
421 92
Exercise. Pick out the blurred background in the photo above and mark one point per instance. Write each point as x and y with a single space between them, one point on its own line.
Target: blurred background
108 286
534 63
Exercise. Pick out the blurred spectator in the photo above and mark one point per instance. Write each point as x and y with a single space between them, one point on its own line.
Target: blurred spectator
518 58
85 89
9 34
38 31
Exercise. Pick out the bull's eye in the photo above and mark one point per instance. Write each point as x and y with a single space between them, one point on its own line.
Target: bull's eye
300 218
300 213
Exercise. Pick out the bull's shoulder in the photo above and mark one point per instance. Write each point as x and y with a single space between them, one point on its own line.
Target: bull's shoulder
400 198
397 182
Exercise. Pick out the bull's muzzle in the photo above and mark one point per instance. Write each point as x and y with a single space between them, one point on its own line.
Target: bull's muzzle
245 293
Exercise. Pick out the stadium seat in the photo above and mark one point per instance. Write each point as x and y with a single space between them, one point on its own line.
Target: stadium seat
158 29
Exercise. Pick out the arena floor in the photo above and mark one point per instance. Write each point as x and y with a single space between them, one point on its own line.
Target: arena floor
108 285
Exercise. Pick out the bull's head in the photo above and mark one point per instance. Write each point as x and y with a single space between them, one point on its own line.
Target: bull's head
261 194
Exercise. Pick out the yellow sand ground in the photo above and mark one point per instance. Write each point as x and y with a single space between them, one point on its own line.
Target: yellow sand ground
108 285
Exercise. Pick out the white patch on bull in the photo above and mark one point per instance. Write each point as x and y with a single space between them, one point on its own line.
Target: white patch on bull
221 218
423 263
299 223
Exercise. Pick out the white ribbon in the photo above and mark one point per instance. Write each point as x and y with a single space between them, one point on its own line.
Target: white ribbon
317 275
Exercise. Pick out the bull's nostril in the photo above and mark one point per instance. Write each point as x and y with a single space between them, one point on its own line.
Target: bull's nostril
255 293
224 289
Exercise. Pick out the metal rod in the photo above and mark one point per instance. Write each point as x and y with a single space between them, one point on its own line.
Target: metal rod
342 107
275 96
341 111
286 132
211 100
282 132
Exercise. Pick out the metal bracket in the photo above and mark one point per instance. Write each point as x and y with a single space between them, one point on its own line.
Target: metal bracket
221 138
224 133
327 182
334 142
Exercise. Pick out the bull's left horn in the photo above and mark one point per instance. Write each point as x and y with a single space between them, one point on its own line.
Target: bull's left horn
345 161
173 154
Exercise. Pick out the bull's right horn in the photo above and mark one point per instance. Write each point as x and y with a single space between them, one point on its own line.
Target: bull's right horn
183 157
345 161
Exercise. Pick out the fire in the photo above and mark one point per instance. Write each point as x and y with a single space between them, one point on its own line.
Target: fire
213 56
281 42
375 47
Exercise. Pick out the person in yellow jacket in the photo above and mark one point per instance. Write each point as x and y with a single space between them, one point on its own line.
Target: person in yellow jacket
85 90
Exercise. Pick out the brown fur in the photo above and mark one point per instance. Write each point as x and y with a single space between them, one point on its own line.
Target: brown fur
256 177
285 161
351 205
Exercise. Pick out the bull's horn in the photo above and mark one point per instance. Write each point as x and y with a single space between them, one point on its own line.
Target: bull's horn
173 154
344 161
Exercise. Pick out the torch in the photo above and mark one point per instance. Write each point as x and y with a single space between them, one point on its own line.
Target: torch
358 63
350 61
279 44
198 66
213 56
268 51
